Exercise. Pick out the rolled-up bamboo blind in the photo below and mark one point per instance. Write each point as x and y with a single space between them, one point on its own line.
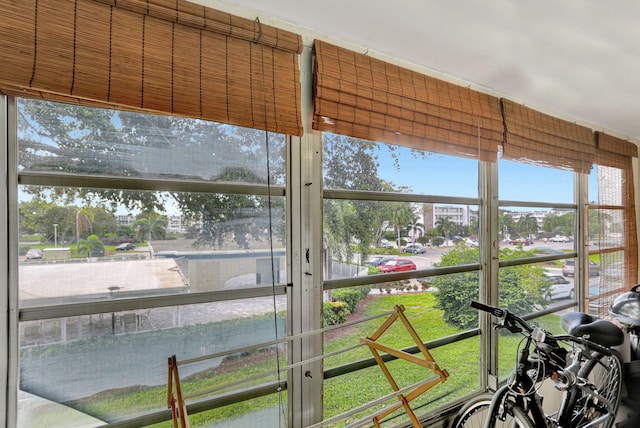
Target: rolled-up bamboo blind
161 56
617 153
364 97
537 138
613 151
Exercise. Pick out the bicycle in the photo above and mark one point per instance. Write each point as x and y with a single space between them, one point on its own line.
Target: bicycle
581 364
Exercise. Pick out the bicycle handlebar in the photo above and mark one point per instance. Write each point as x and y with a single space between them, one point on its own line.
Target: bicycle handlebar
486 308
510 321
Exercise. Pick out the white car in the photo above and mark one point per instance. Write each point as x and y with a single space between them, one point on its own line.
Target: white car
472 243
33 254
560 288
559 238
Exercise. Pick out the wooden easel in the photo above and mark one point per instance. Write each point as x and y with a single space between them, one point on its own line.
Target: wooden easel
427 362
176 404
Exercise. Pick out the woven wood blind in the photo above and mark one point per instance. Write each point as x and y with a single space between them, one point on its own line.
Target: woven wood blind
161 56
537 138
614 152
364 97
617 153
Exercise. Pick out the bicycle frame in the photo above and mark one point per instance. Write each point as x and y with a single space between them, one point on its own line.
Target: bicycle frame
521 391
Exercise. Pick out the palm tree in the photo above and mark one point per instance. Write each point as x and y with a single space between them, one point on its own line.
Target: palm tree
401 215
91 246
150 225
415 228
444 226
527 225
84 221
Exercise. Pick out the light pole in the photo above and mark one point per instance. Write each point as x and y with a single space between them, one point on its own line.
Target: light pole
55 234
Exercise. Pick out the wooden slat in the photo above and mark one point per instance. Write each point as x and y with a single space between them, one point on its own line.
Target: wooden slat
158 56
364 97
540 139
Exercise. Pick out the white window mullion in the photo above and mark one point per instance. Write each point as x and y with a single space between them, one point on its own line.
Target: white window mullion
9 261
305 382
489 258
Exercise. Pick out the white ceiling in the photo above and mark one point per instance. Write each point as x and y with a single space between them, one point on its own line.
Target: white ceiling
575 59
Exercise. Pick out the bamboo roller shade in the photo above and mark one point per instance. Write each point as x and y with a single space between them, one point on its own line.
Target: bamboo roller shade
617 153
160 56
614 152
540 139
364 97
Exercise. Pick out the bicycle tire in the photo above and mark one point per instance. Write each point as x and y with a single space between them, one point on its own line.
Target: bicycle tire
474 414
606 374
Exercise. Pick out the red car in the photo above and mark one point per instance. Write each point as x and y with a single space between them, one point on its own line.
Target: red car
397 265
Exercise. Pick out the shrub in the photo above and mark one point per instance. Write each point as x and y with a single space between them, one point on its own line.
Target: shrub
334 313
437 241
373 270
351 296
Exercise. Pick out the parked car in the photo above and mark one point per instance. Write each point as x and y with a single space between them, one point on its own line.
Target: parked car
33 254
127 246
568 268
397 265
523 241
378 260
414 248
471 243
561 288
385 244
559 238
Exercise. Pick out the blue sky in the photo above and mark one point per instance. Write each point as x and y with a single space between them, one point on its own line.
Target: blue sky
454 176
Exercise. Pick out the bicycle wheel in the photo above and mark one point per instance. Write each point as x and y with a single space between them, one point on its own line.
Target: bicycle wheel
605 374
474 415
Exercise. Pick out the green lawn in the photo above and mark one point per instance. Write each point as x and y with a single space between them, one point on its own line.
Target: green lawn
341 393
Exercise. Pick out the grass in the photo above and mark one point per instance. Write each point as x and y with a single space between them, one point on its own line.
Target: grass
340 393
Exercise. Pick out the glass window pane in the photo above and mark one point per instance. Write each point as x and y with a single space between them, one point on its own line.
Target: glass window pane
423 310
364 234
535 232
115 364
528 288
201 242
356 164
67 138
269 411
81 244
510 343
524 182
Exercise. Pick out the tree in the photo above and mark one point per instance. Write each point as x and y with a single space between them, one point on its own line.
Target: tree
142 145
401 215
104 222
445 225
506 224
150 225
559 224
527 225
352 226
415 228
92 246
84 223
521 287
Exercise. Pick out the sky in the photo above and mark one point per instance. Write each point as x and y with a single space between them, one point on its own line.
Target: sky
454 176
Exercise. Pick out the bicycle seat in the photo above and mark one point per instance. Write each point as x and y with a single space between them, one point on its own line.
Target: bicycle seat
596 329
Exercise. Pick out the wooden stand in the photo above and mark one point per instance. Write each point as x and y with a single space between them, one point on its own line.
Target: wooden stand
176 404
427 362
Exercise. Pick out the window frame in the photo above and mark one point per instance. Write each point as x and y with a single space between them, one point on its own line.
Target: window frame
16 178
